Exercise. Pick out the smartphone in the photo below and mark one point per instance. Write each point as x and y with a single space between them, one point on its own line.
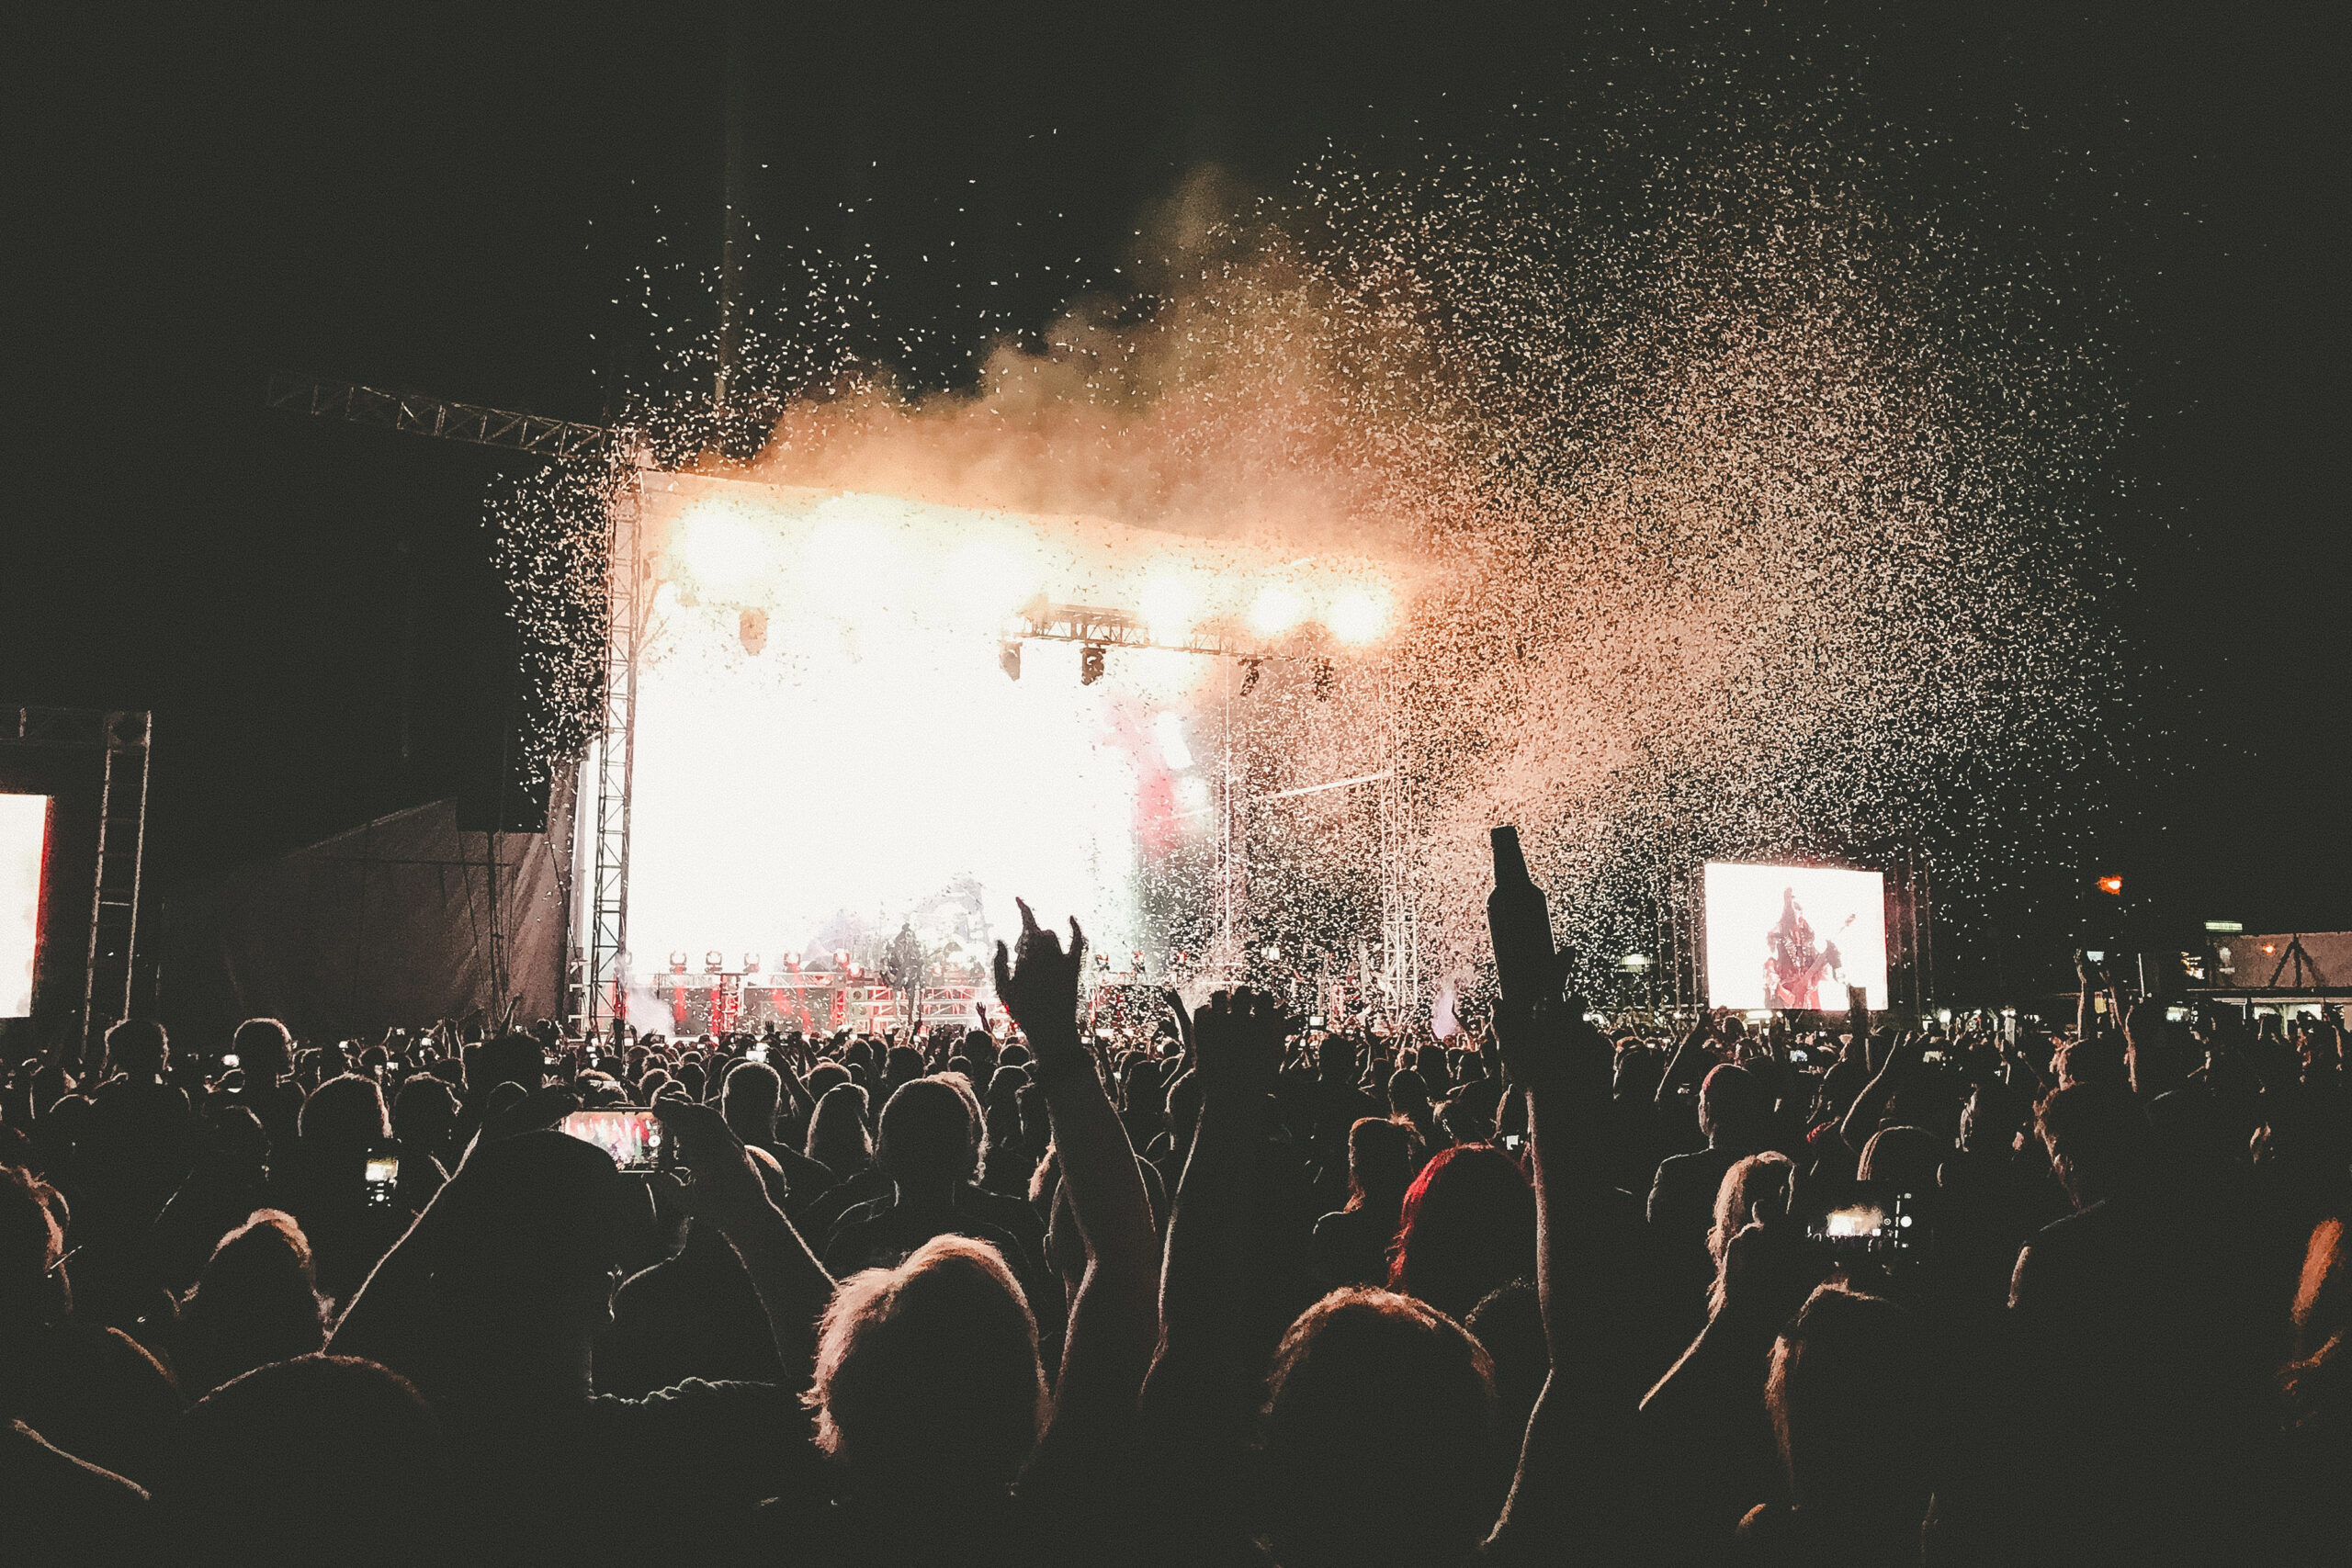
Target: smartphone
632 1137
756 1053
229 1060
383 1179
1800 1057
1932 1058
1880 1223
1514 1142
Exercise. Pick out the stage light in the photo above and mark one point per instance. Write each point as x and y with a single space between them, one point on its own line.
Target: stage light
2224 927
841 957
1325 679
677 964
857 971
715 961
792 959
2111 884
1252 669
1357 616
1276 611
1168 730
750 963
1008 659
1089 664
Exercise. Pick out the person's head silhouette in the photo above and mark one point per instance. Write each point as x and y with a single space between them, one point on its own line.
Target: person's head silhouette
255 1302
376 1479
837 1135
1380 1438
928 1377
927 1142
264 1049
137 1048
525 1255
1467 1225
749 1101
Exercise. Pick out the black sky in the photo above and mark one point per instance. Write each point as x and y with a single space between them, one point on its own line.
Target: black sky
450 199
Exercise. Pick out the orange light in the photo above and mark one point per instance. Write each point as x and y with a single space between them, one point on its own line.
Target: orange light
2111 884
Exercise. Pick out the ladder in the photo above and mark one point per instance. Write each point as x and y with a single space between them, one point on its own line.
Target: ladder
108 977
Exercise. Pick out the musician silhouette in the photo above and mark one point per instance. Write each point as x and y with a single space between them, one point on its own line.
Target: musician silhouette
1796 960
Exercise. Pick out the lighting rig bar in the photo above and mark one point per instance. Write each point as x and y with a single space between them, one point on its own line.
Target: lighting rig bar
419 415
1099 627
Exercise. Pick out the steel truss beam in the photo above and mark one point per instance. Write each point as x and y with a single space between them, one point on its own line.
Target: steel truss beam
1042 622
421 415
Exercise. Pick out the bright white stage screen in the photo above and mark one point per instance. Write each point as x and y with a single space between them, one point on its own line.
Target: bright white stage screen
829 747
1794 936
24 832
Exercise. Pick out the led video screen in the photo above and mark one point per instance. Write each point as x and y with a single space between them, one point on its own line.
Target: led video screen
1794 936
24 831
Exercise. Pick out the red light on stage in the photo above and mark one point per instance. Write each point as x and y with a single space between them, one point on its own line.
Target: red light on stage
2111 884
677 964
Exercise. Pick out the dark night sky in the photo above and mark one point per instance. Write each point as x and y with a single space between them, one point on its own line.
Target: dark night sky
449 199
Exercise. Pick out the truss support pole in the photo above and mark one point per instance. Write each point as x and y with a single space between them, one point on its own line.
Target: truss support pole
111 966
607 999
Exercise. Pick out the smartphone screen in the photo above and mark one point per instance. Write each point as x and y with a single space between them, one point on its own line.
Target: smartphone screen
632 1137
1883 1222
383 1177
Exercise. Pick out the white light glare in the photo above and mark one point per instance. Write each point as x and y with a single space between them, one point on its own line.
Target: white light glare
1276 611
1169 606
1358 615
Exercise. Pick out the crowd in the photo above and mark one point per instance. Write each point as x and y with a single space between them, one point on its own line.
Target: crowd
1230 1290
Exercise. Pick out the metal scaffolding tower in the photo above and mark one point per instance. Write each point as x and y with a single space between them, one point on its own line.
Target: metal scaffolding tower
629 597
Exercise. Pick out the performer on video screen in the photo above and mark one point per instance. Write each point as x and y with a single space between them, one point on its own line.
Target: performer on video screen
1795 960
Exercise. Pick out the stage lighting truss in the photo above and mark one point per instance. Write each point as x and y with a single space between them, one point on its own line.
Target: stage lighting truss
1099 627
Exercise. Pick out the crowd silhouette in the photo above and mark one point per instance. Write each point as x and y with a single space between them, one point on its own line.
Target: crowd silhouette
1223 1288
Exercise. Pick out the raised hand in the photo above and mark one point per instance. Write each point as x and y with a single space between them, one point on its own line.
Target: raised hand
1039 986
1175 1006
1237 1041
724 1183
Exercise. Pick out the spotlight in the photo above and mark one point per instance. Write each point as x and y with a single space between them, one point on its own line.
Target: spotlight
1357 616
715 961
677 964
1324 679
792 959
2112 885
1008 659
1250 670
1089 664
841 957
750 963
